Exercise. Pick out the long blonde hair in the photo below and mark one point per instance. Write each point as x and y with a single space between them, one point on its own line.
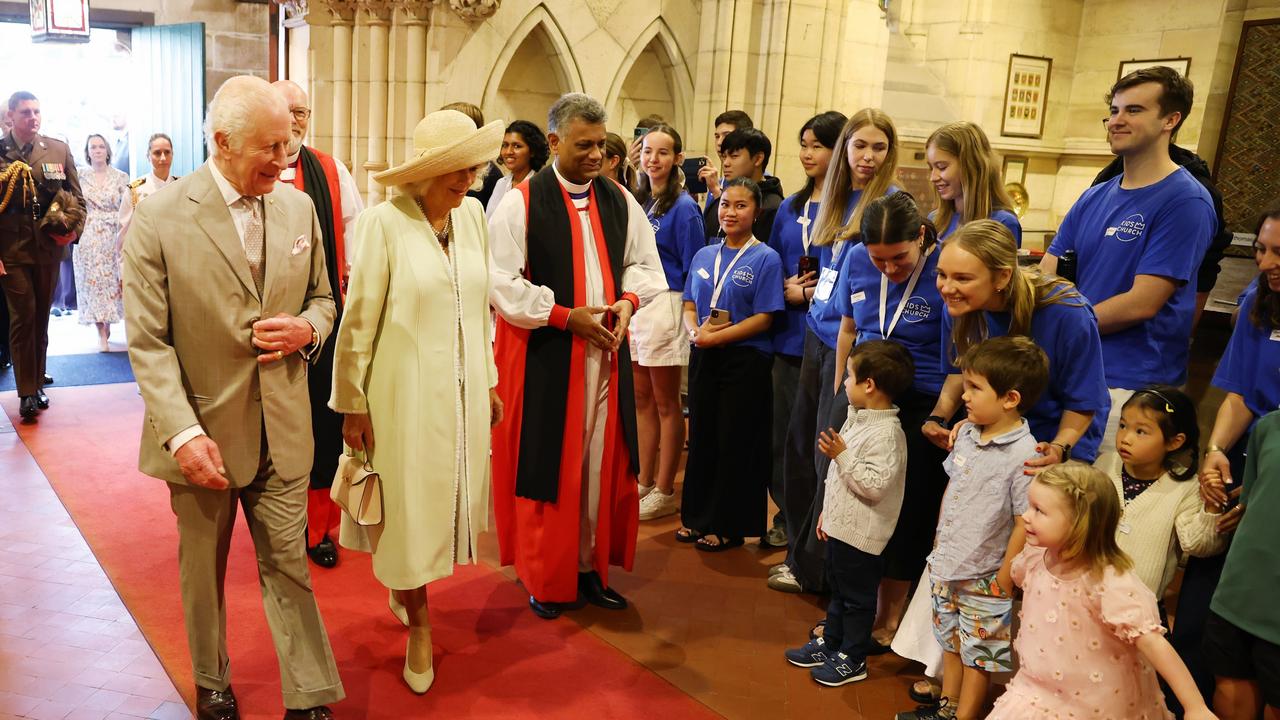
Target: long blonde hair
829 227
1092 497
980 174
1028 289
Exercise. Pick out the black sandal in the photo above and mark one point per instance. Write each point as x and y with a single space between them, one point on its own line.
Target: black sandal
686 535
723 544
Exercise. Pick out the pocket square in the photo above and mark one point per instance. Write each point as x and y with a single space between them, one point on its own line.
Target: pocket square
301 245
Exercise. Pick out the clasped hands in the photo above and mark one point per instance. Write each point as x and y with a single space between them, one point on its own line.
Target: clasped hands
279 336
583 323
1215 475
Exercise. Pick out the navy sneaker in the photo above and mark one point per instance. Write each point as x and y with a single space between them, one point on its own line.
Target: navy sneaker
838 670
813 654
941 710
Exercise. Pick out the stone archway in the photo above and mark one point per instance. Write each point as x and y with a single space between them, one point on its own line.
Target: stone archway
653 78
533 69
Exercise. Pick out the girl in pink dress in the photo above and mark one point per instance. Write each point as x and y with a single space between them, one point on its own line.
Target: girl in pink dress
1090 642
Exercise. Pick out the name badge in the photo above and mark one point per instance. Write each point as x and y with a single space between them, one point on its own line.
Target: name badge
857 297
702 273
1275 335
53 171
826 283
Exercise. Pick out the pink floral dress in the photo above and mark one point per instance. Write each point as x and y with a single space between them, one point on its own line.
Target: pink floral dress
1076 647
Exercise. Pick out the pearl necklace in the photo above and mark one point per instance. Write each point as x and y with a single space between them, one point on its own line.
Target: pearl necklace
443 234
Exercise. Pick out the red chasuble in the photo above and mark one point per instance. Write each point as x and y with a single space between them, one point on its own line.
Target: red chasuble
539 445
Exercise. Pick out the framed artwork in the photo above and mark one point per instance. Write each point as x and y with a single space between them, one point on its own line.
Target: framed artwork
1026 95
1182 65
1015 170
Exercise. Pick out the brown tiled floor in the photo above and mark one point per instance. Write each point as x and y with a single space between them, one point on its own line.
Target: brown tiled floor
68 647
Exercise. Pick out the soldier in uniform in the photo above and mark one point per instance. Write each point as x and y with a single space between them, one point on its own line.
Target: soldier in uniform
30 256
160 152
337 201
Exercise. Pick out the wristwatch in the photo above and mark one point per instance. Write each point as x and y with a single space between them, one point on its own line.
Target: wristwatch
1065 448
935 418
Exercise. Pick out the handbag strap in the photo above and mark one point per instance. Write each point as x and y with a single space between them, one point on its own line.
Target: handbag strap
365 458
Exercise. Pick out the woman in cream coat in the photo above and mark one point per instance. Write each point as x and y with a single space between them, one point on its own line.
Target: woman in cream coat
414 371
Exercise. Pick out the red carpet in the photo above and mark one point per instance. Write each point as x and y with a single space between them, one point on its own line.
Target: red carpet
493 657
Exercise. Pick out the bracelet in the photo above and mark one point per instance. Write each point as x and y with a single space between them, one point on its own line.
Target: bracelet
1214 448
936 418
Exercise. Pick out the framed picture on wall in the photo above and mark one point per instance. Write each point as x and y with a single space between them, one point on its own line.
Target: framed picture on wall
1182 65
1015 169
1026 95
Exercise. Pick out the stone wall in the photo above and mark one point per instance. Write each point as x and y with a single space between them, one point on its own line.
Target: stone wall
236 34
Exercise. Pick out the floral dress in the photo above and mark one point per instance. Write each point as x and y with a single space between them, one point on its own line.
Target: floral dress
1076 647
97 261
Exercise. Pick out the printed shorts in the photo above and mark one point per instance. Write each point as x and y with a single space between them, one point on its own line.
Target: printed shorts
981 613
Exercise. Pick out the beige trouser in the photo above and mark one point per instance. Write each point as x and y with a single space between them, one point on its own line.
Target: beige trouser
596 379
275 510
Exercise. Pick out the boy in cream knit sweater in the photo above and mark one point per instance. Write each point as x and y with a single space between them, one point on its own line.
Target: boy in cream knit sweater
860 509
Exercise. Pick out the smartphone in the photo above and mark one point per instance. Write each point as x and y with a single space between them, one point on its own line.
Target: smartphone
639 133
691 167
808 264
719 317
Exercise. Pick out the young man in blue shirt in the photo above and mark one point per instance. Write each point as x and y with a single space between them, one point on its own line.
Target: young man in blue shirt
1139 238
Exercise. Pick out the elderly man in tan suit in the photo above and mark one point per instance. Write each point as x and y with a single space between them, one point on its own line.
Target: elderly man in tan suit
227 299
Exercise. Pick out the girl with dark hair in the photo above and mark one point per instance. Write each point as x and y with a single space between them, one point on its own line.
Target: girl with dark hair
888 291
96 256
524 152
1158 450
863 167
659 346
791 239
733 291
616 164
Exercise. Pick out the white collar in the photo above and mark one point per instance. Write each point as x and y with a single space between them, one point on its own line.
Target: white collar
153 180
229 194
569 185
294 157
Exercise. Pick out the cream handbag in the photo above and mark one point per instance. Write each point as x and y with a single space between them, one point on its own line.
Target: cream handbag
357 488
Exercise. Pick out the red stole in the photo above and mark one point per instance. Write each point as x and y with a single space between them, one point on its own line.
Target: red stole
542 538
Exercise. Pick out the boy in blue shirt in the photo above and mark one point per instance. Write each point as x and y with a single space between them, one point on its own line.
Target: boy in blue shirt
1139 239
980 529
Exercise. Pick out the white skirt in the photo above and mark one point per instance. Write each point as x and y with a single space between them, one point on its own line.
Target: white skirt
658 337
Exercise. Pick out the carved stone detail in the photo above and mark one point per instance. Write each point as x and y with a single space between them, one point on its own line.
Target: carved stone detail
474 9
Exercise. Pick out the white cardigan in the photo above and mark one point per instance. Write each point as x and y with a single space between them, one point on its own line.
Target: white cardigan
1164 518
865 482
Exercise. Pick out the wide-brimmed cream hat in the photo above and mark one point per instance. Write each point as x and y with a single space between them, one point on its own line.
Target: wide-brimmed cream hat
443 142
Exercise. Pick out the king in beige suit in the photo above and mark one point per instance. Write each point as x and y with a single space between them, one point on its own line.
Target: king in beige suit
226 300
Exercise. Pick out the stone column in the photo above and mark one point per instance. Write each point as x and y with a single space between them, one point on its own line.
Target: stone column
377 18
341 27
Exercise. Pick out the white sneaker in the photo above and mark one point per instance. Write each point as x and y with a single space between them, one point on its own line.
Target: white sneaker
785 582
658 504
645 490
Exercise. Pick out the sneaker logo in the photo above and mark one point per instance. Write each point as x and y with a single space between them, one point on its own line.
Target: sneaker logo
844 669
820 656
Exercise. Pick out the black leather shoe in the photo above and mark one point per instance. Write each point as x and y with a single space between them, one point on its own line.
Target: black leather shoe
319 712
28 408
42 400
324 553
216 704
48 379
545 610
594 592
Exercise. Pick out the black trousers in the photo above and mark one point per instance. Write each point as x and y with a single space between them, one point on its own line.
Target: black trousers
804 467
926 482
28 291
4 328
786 376
854 577
1199 580
727 472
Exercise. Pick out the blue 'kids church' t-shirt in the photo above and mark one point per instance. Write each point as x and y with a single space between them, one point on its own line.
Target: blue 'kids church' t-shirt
919 326
1004 217
1068 334
753 286
1161 229
679 235
1251 365
787 239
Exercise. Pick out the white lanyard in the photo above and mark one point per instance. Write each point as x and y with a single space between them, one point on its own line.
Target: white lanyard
717 278
906 294
804 226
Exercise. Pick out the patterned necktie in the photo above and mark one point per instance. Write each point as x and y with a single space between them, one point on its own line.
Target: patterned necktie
253 240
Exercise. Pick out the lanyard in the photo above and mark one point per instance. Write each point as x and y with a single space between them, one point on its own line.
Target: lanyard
804 226
906 294
717 278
